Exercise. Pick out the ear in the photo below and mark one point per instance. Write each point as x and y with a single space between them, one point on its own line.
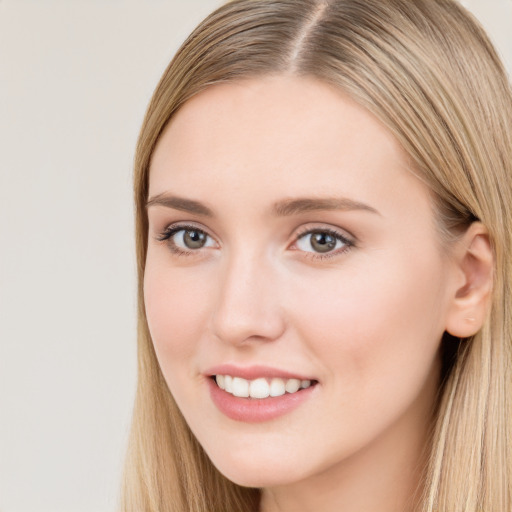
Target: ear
474 260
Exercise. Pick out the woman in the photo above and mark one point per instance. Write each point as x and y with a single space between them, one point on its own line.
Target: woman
323 233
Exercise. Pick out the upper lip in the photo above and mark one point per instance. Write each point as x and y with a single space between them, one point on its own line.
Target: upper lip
254 372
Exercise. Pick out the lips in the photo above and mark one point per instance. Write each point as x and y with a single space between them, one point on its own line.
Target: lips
255 372
257 393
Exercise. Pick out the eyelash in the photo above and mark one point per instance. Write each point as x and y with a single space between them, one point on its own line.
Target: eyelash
348 244
170 231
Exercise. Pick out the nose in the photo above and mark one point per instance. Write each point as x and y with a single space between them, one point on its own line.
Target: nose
247 308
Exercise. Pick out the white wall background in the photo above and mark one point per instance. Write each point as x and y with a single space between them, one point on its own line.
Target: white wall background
75 79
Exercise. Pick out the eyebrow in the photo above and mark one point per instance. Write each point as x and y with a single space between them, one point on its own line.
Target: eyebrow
289 207
283 208
180 203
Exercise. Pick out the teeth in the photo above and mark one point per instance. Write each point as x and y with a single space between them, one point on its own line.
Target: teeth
304 384
260 388
228 384
240 387
292 385
277 387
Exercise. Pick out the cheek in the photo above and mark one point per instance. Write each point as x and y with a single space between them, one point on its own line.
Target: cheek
377 328
175 309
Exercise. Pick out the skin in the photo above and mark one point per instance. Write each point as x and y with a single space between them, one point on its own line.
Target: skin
366 322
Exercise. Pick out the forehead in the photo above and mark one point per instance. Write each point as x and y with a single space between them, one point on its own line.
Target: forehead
280 136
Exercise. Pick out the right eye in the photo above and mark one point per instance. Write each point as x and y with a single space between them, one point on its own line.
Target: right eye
186 239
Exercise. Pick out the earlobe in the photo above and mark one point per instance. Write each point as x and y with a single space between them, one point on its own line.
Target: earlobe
475 263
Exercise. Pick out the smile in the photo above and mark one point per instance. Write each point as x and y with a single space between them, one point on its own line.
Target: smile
261 387
256 403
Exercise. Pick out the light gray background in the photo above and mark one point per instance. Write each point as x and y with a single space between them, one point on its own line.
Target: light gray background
75 79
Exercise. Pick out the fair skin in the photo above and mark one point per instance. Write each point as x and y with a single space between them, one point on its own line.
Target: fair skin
240 282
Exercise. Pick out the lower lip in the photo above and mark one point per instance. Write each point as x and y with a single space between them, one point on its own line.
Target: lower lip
252 410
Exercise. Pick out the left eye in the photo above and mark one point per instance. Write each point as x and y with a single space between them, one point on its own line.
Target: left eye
191 239
321 242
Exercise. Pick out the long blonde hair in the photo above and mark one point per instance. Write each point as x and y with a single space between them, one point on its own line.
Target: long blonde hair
427 70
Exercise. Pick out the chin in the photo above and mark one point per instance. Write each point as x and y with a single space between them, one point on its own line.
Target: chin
248 472
257 477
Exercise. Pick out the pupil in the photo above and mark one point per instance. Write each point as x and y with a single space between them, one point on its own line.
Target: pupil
323 242
194 239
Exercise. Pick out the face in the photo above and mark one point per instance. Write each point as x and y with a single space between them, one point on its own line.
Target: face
290 246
